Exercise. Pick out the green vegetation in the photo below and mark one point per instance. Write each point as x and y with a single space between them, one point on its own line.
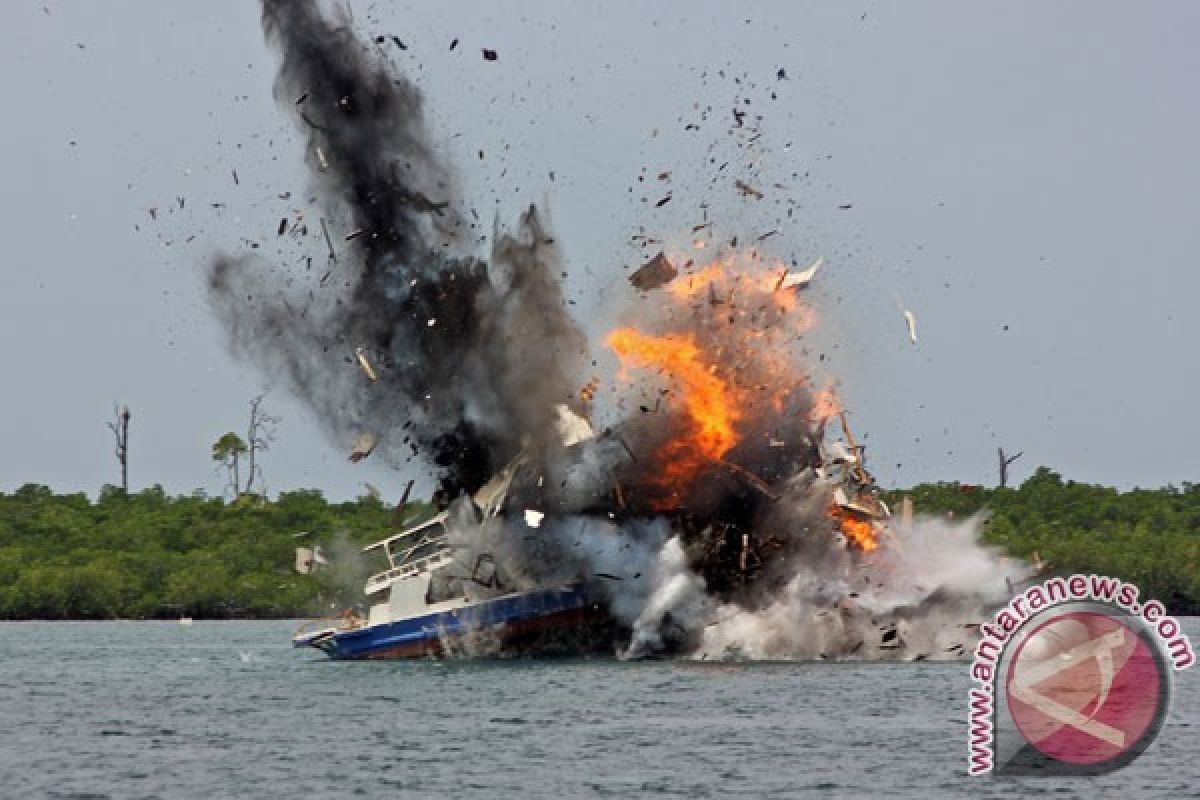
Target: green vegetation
147 555
1150 537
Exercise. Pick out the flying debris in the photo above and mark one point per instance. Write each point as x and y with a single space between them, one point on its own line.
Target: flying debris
365 363
420 202
328 241
655 273
801 280
364 445
747 190
911 321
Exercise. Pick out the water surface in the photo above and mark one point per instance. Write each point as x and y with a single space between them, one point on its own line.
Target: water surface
227 710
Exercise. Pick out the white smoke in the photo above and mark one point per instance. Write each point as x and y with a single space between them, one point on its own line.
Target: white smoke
677 603
919 596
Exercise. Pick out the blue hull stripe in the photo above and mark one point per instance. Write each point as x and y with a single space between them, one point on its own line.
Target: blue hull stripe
422 634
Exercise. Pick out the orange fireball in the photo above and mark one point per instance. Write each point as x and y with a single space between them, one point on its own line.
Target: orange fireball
859 532
708 400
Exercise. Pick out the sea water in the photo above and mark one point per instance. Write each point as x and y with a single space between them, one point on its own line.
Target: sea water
227 710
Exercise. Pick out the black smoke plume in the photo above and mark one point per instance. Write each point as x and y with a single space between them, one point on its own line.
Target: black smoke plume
471 357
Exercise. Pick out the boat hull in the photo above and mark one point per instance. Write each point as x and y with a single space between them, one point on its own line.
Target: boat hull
567 621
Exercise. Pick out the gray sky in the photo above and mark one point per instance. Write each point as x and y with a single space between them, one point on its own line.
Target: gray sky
1030 165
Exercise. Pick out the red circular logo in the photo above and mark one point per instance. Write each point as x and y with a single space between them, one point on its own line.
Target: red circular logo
1084 688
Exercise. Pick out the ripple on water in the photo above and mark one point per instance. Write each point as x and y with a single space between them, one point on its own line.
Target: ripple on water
227 710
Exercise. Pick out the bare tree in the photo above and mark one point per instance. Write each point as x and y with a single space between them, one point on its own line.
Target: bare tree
259 435
1004 462
120 428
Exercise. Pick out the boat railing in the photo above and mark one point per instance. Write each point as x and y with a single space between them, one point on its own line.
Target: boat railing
405 570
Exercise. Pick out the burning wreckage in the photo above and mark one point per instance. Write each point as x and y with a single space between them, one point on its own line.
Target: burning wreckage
713 516
534 560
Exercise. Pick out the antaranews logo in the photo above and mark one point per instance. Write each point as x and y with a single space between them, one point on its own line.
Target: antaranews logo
1072 677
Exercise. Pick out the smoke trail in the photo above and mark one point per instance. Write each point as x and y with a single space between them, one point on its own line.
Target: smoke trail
471 359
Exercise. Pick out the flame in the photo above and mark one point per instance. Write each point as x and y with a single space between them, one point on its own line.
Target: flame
709 401
727 279
694 284
730 348
861 533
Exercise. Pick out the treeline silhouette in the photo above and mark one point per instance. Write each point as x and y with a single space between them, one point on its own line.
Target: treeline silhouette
150 555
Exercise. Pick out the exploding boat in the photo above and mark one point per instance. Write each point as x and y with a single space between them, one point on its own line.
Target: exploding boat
424 605
438 599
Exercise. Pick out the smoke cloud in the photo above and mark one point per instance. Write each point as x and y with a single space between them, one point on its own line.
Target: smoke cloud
471 357
714 516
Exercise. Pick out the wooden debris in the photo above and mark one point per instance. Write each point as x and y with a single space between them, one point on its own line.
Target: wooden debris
859 471
620 495
365 363
420 202
364 445
747 190
755 481
401 507
328 241
655 273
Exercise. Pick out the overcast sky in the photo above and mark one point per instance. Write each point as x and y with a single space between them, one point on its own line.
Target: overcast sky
1023 176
